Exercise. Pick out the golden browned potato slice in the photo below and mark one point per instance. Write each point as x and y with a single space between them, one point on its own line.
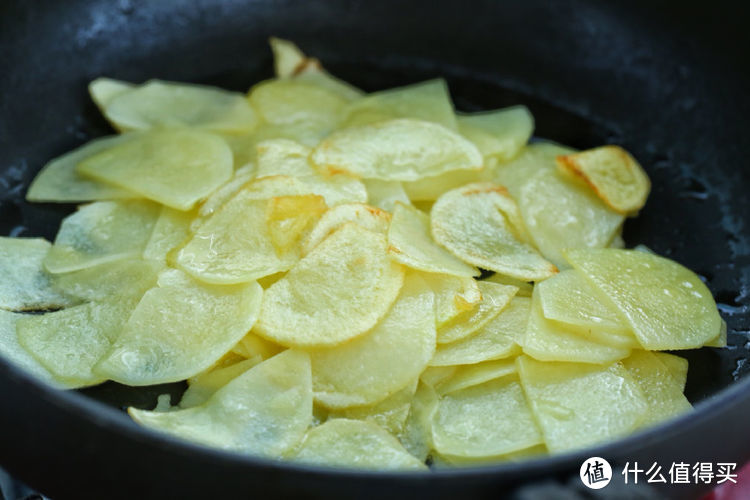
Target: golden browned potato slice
495 298
366 216
615 176
453 295
501 133
470 375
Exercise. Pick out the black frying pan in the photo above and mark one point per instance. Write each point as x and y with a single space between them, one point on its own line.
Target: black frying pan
666 82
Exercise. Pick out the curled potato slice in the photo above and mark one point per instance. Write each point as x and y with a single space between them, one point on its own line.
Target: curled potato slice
279 393
501 133
176 168
369 368
494 299
363 215
396 150
100 232
288 59
471 375
411 244
480 224
179 329
356 444
453 295
666 304
103 90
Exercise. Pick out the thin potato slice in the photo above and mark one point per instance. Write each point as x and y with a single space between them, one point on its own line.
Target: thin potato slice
288 59
436 375
534 158
431 188
171 230
496 340
578 405
103 90
453 295
368 369
536 451
290 218
385 194
252 345
500 133
159 103
471 375
677 366
25 285
485 420
524 287
354 444
176 168
335 293
411 244
396 150
283 157
494 299
615 176
204 385
104 231
366 216
131 277
179 329
666 304
417 434
242 176
58 180
279 392
390 413
479 224
721 339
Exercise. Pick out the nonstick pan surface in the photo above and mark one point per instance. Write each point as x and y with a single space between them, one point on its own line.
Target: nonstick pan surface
665 82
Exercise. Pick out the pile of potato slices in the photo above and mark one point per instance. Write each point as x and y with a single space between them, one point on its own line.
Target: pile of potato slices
352 280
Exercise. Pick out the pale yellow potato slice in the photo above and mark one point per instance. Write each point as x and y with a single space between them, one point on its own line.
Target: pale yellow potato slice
721 339
104 231
290 218
252 345
501 133
338 291
411 244
283 157
615 176
132 277
470 375
496 340
159 103
417 434
485 420
453 295
280 395
534 158
288 59
103 90
396 150
385 194
524 287
25 285
431 188
369 368
429 101
176 167
478 223
436 375
548 341
495 298
677 366
663 392
179 329
58 180
666 304
241 177
390 413
171 230
354 444
204 385
366 216
446 461
578 405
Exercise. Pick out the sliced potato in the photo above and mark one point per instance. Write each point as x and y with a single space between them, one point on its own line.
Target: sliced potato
721 339
436 375
171 230
524 287
104 231
485 420
615 176
385 194
396 150
417 434
501 133
536 451
179 329
283 157
354 444
666 304
252 345
494 299
290 218
288 59
431 188
471 375
204 385
390 413
479 224
363 215
534 158
174 167
159 103
578 404
279 391
103 90
453 295
368 369
677 366
411 244
335 293
242 176
126 277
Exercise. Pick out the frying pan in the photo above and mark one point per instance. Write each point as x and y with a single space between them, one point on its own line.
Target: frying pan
663 80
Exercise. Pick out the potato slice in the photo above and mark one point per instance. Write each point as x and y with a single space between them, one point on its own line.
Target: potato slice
104 231
721 339
252 345
288 59
431 188
436 375
25 285
577 404
283 157
179 329
471 375
354 444
242 176
103 90
58 180
335 293
663 392
411 244
547 341
666 304
131 277
479 224
368 369
390 413
494 299
366 216
615 176
385 194
524 287
453 295
280 395
204 385
532 159
176 168
501 133
290 218
446 461
171 230
396 150
677 366
485 420
160 103
417 434
495 340
429 101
